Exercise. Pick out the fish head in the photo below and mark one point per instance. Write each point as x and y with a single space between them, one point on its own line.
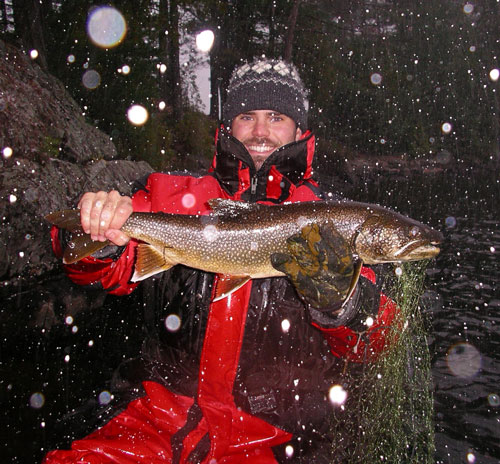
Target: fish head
387 237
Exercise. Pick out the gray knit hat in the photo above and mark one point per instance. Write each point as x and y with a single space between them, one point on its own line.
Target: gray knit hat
266 84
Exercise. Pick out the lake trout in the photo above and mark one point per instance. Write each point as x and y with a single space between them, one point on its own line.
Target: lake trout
237 239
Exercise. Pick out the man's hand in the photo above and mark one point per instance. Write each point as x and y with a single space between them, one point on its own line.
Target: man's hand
320 266
102 215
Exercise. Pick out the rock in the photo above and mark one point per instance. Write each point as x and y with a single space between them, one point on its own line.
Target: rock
40 177
39 119
30 191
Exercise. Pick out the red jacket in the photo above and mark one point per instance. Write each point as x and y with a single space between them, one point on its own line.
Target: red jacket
215 411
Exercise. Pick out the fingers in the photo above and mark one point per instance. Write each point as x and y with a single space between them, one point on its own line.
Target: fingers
303 248
280 261
103 214
332 237
285 263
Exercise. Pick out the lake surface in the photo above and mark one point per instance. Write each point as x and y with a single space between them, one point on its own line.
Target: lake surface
462 301
52 377
465 343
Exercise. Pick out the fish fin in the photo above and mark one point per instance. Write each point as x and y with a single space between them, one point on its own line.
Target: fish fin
68 219
228 284
150 261
354 281
222 206
80 246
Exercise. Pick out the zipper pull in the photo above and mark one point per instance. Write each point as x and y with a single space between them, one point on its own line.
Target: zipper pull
253 185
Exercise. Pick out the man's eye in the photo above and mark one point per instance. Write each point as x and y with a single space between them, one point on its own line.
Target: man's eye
276 118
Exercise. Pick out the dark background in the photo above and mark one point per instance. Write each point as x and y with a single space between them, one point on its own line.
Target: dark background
383 76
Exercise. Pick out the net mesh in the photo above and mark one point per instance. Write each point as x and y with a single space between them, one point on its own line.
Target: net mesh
388 414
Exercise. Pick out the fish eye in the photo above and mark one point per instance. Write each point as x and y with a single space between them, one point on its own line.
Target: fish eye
414 231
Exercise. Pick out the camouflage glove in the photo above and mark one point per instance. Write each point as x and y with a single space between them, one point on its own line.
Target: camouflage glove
362 306
320 266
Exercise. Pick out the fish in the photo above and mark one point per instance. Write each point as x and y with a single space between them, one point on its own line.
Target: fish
237 239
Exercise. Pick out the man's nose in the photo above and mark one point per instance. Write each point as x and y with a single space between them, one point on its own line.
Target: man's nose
260 128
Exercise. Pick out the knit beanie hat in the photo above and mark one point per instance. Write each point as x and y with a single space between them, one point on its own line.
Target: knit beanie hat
266 84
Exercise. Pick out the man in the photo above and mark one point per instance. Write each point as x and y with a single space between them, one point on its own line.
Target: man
245 378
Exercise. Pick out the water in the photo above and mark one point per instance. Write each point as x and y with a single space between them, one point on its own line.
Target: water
59 372
465 342
463 304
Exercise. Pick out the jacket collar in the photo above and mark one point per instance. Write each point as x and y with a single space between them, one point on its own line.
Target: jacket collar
285 169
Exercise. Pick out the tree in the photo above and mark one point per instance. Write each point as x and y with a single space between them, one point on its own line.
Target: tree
292 21
169 44
383 76
29 26
243 30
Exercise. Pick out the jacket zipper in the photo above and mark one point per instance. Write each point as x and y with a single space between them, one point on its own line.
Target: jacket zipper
253 185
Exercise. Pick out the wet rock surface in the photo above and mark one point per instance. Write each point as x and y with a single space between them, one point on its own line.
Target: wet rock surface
38 117
49 156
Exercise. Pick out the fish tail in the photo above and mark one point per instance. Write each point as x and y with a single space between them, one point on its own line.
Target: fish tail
81 245
68 219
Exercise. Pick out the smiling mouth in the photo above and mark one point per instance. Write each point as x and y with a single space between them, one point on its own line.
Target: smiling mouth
261 148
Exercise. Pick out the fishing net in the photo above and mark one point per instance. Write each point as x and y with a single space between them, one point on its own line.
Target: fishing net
388 414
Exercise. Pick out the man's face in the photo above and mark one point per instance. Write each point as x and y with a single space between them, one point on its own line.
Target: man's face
263 131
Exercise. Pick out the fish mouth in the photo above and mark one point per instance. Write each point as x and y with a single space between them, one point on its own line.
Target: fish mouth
417 249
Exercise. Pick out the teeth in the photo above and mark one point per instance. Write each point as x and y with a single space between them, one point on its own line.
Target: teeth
260 148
